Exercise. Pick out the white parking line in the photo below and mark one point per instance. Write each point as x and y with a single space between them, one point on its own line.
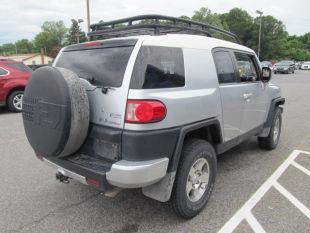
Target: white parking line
301 168
292 199
245 211
254 224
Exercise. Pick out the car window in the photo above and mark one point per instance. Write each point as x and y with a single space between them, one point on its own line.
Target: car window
158 67
3 72
104 66
21 67
224 66
246 68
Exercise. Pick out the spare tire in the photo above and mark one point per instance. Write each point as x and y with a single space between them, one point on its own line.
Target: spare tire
55 112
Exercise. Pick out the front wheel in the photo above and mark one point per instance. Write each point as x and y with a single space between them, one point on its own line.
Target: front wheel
15 101
271 141
195 178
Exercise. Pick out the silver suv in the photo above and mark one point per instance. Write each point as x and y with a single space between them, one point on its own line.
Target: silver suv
150 111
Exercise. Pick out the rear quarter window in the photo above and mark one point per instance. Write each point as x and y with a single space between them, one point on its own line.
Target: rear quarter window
158 67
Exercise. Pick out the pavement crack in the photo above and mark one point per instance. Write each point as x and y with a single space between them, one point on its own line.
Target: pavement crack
20 228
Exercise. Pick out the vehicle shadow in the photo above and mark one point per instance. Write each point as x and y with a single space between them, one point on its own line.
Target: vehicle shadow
4 110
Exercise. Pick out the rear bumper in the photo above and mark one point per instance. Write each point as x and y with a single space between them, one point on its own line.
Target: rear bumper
123 174
66 172
137 174
2 104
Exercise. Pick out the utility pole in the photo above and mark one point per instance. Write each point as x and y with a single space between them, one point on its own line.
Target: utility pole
260 30
88 17
78 33
15 48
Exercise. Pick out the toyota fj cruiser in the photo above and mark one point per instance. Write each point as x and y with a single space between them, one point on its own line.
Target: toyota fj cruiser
150 111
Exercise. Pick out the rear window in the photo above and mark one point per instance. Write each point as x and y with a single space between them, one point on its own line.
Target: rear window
104 66
21 67
158 67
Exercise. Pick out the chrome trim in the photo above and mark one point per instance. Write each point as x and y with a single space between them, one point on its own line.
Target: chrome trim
66 172
137 174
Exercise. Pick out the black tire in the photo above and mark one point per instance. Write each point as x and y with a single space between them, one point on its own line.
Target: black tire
193 150
12 105
270 142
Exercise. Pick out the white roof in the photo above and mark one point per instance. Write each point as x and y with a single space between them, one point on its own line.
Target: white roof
190 41
186 41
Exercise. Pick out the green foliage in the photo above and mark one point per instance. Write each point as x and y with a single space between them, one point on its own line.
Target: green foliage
273 37
204 15
240 23
52 36
275 42
7 49
24 46
74 33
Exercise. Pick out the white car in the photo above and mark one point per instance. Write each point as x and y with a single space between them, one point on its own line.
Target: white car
305 65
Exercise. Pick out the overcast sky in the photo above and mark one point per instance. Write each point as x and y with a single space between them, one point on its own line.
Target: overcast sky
23 18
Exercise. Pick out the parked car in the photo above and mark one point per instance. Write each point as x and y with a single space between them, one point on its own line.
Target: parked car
115 112
305 65
267 64
284 67
13 79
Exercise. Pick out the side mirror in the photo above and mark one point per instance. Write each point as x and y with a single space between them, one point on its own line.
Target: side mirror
266 74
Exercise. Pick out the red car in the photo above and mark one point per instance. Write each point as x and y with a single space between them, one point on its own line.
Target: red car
13 79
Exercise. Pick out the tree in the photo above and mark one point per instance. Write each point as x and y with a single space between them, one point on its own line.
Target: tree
24 46
74 33
273 38
240 23
8 49
52 36
205 15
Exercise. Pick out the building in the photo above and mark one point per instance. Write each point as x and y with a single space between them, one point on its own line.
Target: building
31 58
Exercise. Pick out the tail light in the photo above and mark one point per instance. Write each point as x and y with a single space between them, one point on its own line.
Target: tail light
91 181
92 43
145 111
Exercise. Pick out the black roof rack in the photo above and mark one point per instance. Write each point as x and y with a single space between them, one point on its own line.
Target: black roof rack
155 25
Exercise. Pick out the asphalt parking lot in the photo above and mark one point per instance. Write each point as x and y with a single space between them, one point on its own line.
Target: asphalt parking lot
32 200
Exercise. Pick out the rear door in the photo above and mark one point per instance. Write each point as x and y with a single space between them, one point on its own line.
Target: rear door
231 96
105 69
253 91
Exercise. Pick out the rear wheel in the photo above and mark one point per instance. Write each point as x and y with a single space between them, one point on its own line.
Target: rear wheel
271 141
15 101
195 178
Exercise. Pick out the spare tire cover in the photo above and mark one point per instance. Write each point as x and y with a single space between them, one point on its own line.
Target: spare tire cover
55 112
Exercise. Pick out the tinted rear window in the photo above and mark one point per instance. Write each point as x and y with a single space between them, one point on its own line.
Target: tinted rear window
104 66
158 67
21 67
